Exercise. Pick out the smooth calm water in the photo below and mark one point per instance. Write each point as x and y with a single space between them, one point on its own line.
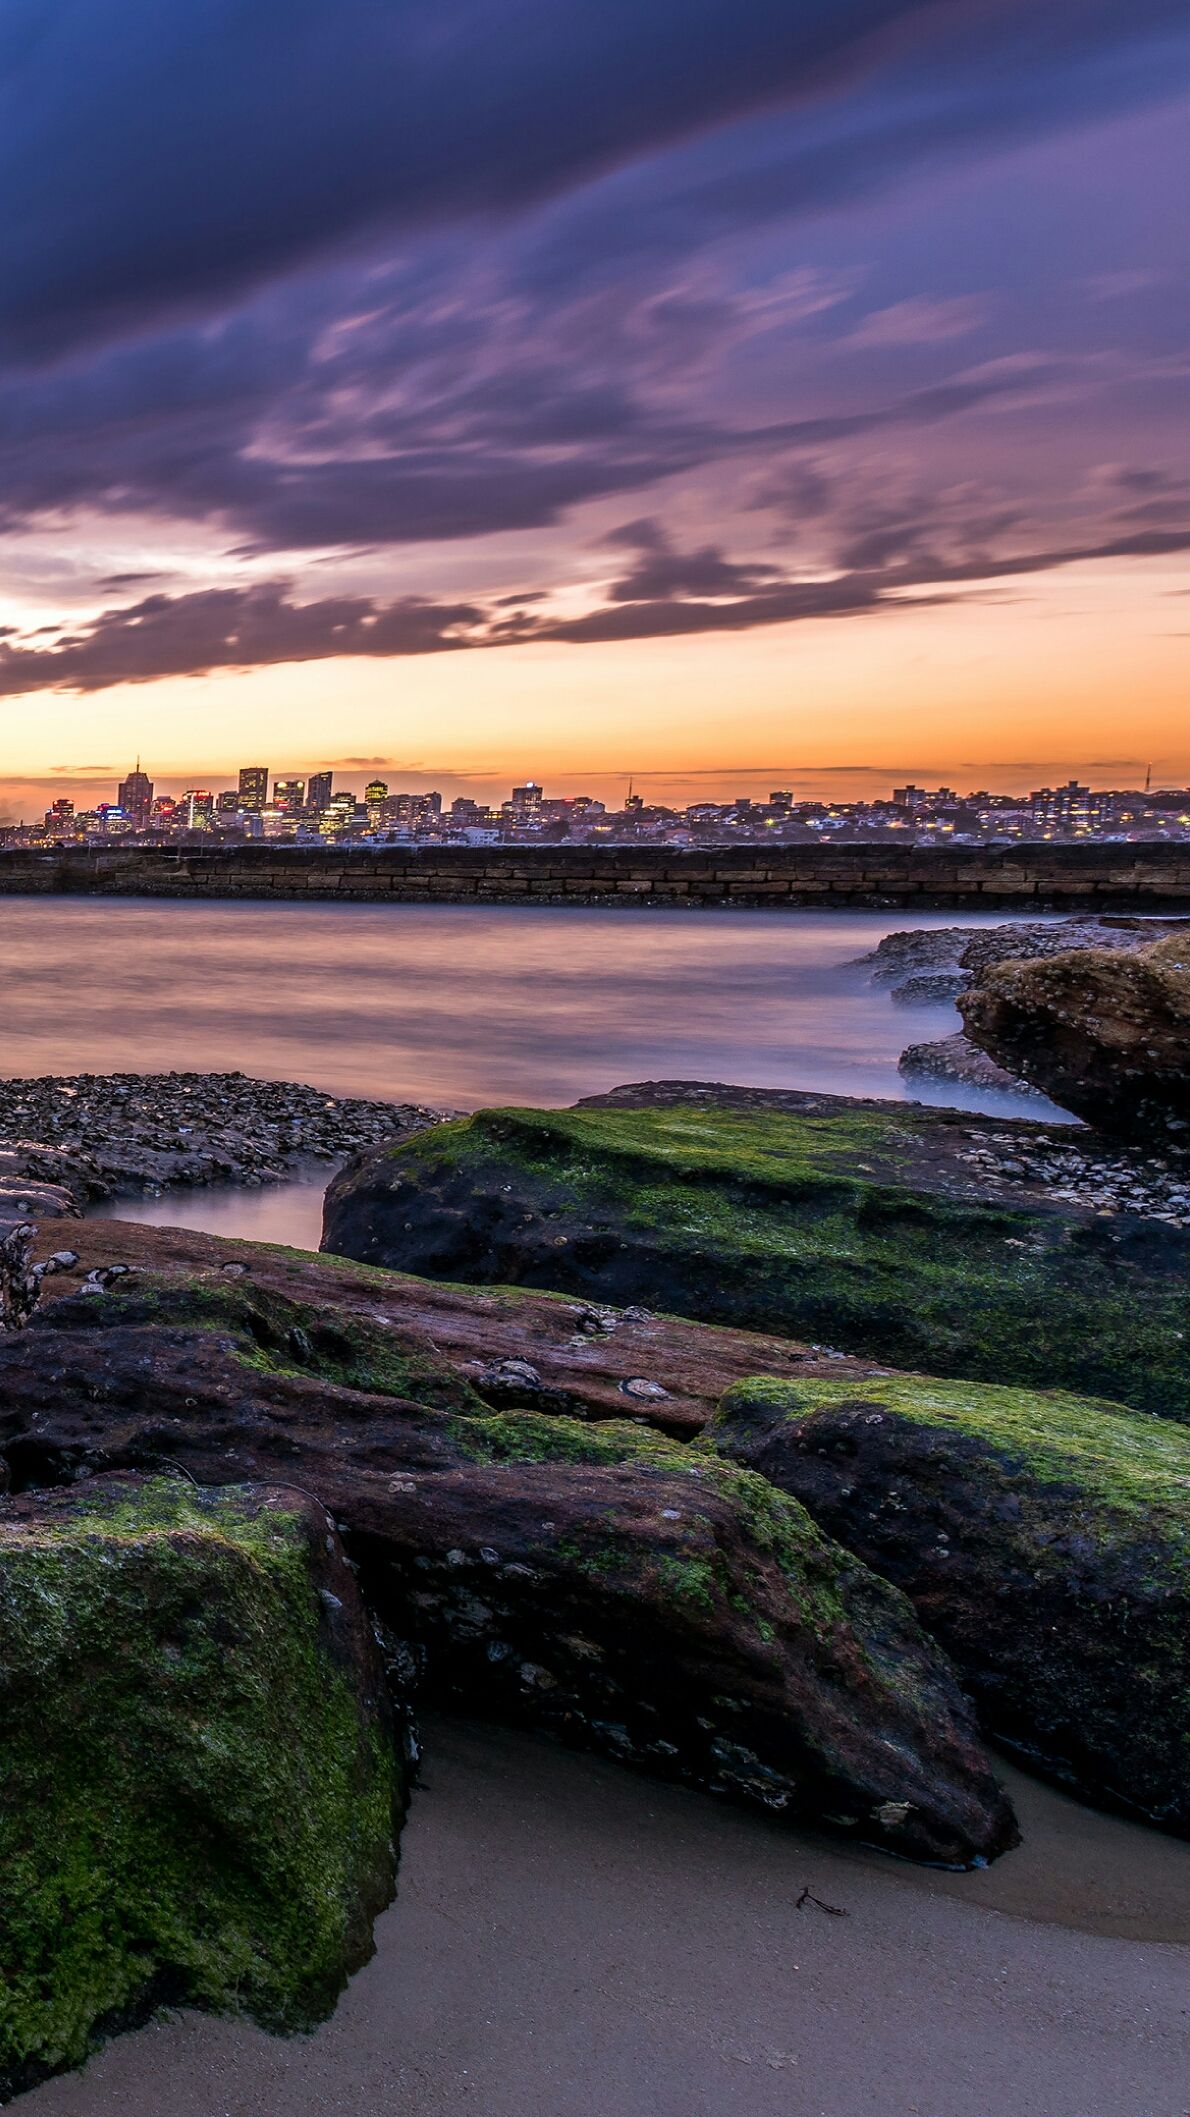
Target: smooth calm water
448 1005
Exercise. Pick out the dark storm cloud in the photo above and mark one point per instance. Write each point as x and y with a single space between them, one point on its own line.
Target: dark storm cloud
666 594
160 152
980 78
156 155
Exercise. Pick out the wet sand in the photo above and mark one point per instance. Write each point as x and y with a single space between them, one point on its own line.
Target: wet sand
573 1941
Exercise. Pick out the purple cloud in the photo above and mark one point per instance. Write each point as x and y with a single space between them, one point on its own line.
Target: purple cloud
667 593
163 156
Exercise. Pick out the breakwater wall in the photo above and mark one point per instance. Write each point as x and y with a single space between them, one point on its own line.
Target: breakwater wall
1052 877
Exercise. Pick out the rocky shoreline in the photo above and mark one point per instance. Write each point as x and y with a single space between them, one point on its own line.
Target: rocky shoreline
717 1434
69 1141
930 967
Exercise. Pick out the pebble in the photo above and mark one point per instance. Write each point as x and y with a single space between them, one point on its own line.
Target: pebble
105 1134
1108 1183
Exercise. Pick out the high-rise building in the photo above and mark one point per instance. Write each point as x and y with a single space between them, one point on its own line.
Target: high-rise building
318 791
228 803
289 794
135 798
527 798
59 819
254 788
341 814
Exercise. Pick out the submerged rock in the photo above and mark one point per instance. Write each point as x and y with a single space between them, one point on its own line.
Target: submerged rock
963 952
1044 1541
956 1058
932 965
866 1226
601 1583
1106 1035
200 1786
932 989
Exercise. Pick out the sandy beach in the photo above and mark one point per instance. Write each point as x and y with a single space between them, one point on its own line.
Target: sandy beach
569 1940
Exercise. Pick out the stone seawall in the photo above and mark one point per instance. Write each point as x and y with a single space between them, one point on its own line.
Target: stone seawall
1110 877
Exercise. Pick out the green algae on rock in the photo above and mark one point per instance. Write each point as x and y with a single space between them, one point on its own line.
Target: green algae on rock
628 1592
198 1783
1043 1539
858 1225
600 1582
371 1329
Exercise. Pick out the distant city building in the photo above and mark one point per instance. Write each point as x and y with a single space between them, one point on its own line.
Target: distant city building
339 816
135 798
254 788
407 811
913 815
1071 809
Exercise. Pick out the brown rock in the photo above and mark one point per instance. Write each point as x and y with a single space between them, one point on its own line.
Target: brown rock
583 1355
1105 1034
1043 1540
605 1584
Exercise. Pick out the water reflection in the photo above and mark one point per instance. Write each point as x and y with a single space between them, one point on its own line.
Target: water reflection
290 1213
455 1005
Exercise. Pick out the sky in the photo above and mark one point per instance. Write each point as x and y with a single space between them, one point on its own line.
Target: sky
728 394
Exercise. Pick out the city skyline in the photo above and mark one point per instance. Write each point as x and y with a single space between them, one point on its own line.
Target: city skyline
824 400
272 805
673 789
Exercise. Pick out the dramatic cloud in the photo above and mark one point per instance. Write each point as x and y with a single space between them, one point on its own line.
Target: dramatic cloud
162 155
666 594
410 302
287 432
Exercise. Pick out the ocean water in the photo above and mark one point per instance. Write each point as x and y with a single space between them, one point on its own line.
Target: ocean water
450 1005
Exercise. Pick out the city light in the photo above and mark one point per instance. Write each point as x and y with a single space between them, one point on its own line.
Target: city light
310 811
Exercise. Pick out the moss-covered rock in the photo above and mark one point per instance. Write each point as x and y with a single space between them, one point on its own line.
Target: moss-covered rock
601 1582
622 1590
434 1342
198 1785
1043 1539
858 1225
